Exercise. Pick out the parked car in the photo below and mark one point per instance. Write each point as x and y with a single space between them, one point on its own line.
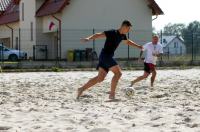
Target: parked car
11 54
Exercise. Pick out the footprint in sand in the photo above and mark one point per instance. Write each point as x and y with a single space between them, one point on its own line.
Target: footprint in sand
5 128
160 95
158 125
187 119
156 118
192 125
99 130
5 93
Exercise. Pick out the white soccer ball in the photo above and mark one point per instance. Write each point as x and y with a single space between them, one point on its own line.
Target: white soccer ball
129 91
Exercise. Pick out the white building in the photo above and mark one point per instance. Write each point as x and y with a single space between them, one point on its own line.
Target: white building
59 24
173 45
9 23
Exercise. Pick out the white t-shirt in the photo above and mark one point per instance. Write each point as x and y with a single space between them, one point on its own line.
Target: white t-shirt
151 49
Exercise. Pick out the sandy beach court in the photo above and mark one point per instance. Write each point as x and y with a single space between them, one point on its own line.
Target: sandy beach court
45 102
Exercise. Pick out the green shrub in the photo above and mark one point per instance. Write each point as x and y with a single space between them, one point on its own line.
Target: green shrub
56 69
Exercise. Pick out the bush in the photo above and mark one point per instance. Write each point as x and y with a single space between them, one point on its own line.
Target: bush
56 69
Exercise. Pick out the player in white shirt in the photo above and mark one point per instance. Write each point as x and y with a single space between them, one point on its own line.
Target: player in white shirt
153 50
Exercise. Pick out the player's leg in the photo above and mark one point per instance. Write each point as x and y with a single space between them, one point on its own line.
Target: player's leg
99 78
154 73
140 78
117 75
144 76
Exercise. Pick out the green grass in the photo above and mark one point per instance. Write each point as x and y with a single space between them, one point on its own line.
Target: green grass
9 62
56 69
179 58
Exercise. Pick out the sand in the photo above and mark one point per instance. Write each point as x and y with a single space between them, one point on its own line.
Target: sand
45 102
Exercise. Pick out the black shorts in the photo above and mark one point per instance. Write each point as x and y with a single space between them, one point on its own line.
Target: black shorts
149 67
106 61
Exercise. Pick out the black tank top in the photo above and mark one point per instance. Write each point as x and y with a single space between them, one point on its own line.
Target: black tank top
113 39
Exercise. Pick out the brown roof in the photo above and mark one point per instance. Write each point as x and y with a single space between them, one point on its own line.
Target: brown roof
51 7
4 4
10 14
156 10
54 6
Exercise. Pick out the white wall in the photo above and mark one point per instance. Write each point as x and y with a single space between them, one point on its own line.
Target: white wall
25 26
47 37
80 17
78 20
6 33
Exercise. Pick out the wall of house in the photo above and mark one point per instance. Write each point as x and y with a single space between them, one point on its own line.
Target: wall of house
180 48
78 20
6 35
80 17
48 37
28 36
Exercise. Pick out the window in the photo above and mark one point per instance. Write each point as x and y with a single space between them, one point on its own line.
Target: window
164 41
22 11
175 45
31 31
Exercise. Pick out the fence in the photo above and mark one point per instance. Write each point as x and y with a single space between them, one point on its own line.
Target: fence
25 45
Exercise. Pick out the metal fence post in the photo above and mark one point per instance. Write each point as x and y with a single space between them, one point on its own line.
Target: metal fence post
57 48
93 48
128 48
161 35
2 56
19 43
34 52
192 47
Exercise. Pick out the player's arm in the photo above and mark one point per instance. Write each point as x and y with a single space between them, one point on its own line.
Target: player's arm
140 57
141 53
94 36
159 53
133 44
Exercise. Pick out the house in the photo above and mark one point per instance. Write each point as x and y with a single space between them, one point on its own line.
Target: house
9 23
4 4
173 45
58 24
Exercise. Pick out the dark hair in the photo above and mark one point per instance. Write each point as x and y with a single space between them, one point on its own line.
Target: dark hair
126 23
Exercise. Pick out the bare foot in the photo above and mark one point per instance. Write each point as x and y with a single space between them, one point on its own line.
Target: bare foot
112 96
131 84
151 87
80 92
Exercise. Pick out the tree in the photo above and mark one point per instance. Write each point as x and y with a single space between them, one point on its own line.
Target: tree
191 35
154 32
174 29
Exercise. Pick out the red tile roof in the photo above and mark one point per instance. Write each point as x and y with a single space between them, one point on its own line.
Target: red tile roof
51 7
156 10
4 4
11 13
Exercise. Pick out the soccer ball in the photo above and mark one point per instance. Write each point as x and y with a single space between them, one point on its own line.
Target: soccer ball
129 92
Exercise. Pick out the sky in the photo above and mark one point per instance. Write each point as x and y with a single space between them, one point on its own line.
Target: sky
177 11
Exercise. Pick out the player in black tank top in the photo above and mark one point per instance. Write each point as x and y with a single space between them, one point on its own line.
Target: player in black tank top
113 39
106 61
